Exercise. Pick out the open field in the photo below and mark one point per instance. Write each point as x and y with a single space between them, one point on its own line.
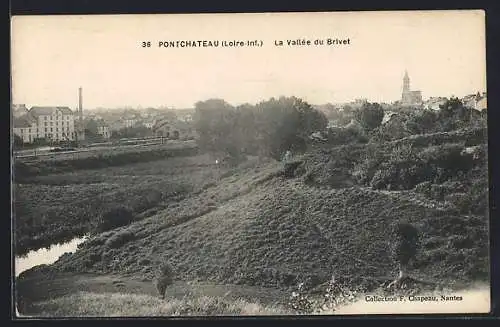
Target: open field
91 155
57 207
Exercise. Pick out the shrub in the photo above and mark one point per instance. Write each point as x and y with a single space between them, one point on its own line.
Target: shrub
386 177
365 170
462 201
345 135
424 188
335 294
403 170
113 218
449 157
118 239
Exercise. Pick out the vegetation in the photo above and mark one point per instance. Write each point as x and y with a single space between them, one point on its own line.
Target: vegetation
370 115
115 217
131 132
58 207
109 157
261 223
84 304
268 128
289 234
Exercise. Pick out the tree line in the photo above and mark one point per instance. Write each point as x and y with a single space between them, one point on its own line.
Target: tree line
267 128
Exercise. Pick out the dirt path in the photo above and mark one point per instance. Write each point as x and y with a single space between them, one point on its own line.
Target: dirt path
38 288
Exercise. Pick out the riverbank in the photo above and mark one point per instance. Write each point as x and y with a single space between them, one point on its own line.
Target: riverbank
45 256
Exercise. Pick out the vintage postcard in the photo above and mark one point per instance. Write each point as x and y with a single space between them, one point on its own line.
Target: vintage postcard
329 163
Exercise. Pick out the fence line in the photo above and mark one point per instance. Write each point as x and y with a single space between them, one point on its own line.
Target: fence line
97 148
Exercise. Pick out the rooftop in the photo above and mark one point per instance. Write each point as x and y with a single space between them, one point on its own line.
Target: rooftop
39 111
22 122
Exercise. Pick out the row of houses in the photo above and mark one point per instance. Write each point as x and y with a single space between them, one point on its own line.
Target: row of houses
50 123
58 124
477 101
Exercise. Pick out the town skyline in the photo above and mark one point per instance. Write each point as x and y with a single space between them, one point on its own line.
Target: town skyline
443 52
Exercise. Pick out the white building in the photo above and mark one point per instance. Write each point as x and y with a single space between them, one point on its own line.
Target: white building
103 129
435 103
476 101
50 123
130 122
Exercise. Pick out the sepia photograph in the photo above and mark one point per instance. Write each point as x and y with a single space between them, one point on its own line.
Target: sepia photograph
249 164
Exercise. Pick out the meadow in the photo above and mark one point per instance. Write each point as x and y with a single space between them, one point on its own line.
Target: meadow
53 208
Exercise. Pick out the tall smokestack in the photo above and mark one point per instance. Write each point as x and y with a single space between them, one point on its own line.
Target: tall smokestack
80 104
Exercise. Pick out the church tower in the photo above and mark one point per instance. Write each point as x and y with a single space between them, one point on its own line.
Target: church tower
409 97
406 83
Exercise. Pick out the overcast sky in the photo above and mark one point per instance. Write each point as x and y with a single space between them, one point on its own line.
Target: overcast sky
443 51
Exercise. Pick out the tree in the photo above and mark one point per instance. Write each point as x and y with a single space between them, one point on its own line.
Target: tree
369 115
453 114
269 128
214 119
285 124
421 121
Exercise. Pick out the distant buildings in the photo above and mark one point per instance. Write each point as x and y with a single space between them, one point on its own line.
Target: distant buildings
49 123
476 101
103 129
435 103
149 123
409 97
130 122
19 110
174 129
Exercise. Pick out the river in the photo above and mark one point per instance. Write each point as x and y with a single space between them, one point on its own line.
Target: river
45 256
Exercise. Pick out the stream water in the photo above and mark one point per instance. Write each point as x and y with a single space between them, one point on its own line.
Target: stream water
45 256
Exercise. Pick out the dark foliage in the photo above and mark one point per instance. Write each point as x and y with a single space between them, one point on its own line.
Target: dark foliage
268 128
113 218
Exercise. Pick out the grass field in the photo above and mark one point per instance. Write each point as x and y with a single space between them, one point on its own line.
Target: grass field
125 305
57 207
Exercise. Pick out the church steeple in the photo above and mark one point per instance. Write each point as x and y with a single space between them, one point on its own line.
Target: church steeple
409 97
406 82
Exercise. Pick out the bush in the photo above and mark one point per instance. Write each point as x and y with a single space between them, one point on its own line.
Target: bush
403 170
113 218
449 157
345 135
424 188
386 177
119 239
460 200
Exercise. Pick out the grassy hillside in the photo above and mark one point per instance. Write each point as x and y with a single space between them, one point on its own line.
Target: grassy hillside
255 227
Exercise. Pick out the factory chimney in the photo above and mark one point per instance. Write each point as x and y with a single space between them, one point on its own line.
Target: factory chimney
80 104
80 129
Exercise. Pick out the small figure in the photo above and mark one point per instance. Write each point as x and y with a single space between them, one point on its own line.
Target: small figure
164 278
404 246
287 156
